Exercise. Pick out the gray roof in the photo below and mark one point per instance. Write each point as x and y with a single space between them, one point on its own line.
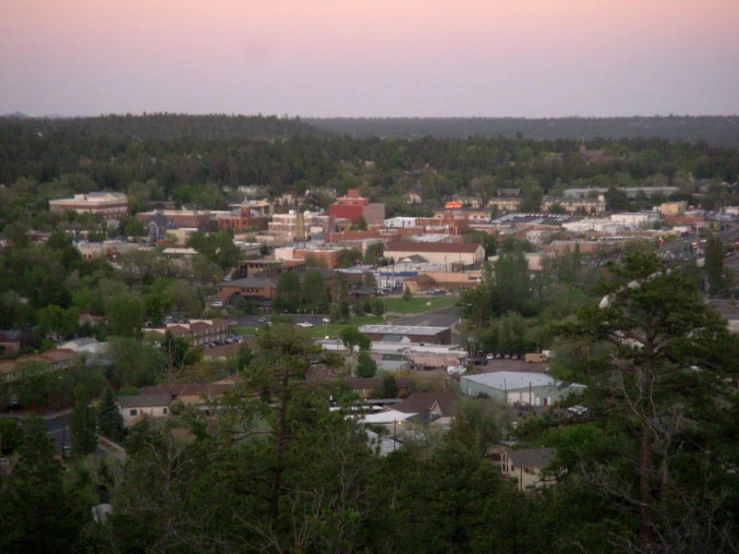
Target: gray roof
144 401
532 457
515 380
402 330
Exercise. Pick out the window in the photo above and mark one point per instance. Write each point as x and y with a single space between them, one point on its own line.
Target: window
134 412
165 410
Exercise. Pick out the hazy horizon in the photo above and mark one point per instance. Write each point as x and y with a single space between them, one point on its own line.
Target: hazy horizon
371 58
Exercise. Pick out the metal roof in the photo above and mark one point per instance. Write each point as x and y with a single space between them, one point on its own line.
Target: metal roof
515 380
402 330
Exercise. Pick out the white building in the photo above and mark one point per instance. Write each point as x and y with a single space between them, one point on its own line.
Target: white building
513 387
640 220
134 408
400 222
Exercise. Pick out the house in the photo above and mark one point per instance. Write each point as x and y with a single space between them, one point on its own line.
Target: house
429 409
526 465
134 408
513 387
55 359
190 395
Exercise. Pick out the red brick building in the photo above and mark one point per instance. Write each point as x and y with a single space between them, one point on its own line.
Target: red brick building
353 206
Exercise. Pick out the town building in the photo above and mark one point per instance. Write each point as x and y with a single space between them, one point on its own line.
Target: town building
450 254
198 331
250 215
513 388
250 288
575 205
410 333
111 205
354 207
196 219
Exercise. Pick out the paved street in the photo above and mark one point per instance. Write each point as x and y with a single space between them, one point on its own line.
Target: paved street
253 320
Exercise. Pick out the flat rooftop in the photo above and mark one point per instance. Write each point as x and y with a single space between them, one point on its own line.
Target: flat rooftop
402 330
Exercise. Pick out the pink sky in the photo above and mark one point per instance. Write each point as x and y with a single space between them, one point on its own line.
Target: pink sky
534 58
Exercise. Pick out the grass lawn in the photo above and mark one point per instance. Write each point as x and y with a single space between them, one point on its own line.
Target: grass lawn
418 304
415 305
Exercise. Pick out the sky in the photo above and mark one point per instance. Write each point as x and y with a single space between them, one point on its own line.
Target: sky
371 58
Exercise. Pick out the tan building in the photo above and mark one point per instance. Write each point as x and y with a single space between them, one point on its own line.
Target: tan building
573 205
111 205
250 288
199 332
448 253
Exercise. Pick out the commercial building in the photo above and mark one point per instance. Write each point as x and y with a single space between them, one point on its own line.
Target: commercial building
512 387
251 288
111 205
353 207
252 215
409 333
196 219
298 226
448 253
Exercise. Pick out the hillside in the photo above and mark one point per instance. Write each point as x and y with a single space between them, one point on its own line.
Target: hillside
169 126
715 130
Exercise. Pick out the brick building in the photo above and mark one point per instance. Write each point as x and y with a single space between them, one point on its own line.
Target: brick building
111 205
353 207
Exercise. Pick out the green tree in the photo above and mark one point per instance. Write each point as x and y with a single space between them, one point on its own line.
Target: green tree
83 424
369 280
109 419
125 315
316 294
714 265
11 436
289 293
665 360
38 515
353 339
366 366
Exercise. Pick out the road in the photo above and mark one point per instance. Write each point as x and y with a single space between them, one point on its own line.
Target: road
57 429
253 320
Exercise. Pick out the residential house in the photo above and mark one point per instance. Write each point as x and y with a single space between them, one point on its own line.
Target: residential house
135 408
10 343
433 409
526 466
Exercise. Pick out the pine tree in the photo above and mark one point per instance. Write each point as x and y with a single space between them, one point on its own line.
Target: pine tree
83 424
110 422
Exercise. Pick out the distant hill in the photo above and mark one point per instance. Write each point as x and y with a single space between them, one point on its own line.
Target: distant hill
715 130
169 126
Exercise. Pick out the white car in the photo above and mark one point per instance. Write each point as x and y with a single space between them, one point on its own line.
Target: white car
217 304
305 325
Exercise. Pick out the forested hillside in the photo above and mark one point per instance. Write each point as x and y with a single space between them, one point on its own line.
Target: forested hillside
168 125
715 130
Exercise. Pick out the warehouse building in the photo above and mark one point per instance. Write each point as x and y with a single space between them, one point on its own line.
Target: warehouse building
513 387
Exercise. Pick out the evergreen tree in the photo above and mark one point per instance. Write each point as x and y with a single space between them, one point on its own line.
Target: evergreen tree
83 423
109 419
36 513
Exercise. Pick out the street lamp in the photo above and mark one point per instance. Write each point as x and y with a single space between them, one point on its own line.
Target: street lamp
326 320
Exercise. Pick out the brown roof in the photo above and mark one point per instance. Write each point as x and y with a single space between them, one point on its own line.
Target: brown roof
144 401
199 326
420 401
410 246
421 279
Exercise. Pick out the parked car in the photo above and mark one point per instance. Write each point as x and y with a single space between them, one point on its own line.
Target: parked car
217 304
305 324
480 361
